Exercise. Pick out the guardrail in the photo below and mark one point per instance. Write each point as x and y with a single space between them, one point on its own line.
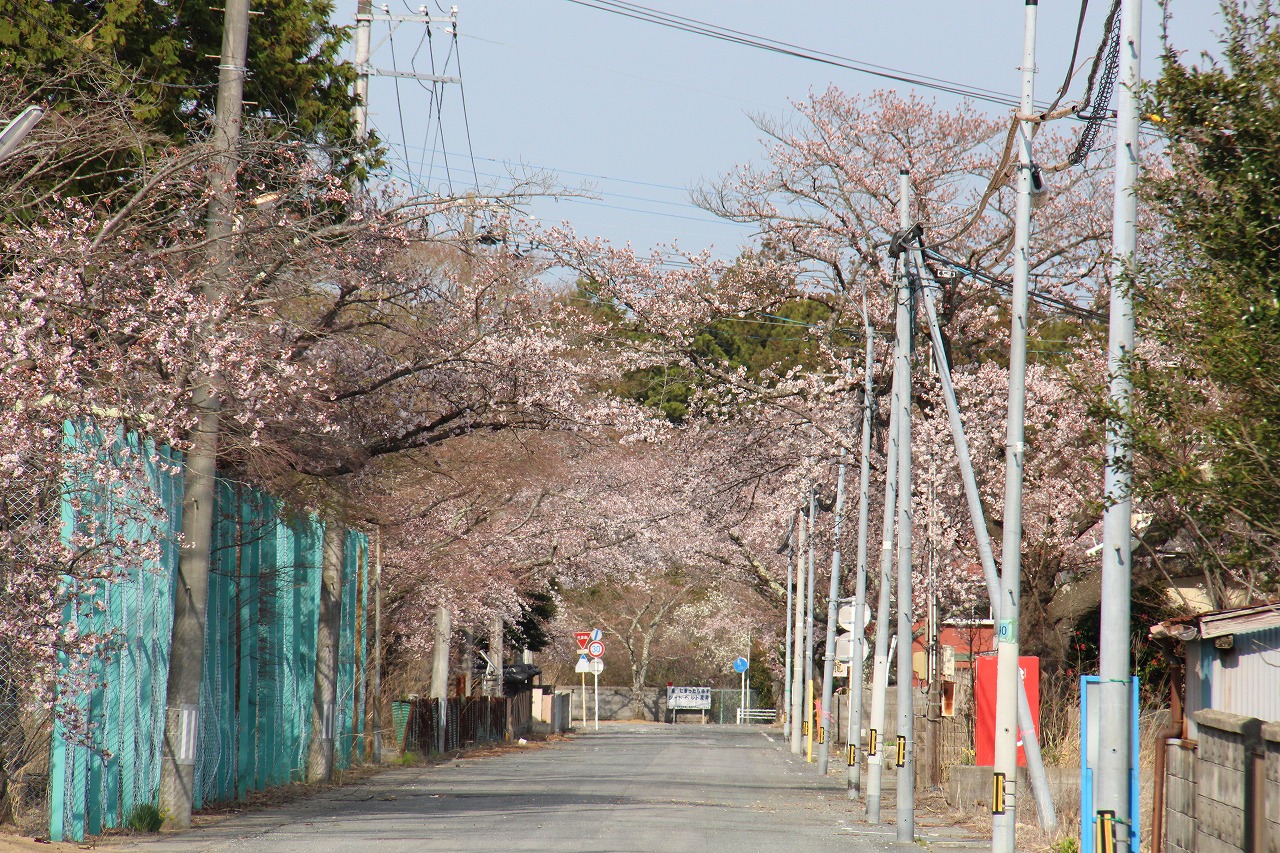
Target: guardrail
757 715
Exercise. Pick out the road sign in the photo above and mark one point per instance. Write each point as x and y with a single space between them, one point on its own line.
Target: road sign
595 648
689 698
596 666
597 634
583 637
584 665
740 665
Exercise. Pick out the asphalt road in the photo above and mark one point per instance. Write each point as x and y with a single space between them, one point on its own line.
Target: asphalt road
628 787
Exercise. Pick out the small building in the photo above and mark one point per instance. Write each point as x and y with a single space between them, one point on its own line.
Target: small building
1217 785
1232 661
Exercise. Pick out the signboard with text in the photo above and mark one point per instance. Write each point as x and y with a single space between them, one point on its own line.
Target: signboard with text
689 698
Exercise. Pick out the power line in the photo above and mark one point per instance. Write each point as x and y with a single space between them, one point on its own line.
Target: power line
694 26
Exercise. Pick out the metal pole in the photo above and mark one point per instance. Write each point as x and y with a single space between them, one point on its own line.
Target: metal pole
833 605
808 622
977 515
595 679
797 646
1112 793
746 693
857 665
906 693
1005 780
880 666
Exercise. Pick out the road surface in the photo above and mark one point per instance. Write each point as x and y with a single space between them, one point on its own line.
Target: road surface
628 787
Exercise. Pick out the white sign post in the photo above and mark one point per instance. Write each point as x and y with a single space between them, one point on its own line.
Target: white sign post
597 667
583 667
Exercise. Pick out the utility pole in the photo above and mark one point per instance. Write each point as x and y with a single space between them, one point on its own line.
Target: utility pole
933 656
859 644
328 630
493 684
440 673
786 644
880 666
186 663
797 653
1112 797
833 606
808 623
364 18
906 824
982 539
1005 778
377 651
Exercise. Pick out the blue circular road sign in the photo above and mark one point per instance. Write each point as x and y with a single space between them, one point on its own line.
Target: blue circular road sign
740 665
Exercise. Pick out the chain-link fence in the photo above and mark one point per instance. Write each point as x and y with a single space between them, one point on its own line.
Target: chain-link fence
29 509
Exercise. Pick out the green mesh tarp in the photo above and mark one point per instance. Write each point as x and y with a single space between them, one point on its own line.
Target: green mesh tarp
259 664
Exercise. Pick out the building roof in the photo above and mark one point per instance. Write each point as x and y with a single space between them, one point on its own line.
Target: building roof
1220 623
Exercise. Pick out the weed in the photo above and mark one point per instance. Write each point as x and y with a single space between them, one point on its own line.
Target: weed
144 817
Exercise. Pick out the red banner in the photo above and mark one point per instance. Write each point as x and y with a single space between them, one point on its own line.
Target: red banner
984 700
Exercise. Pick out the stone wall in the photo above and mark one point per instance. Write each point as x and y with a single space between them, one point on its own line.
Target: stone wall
1271 815
1180 796
1219 798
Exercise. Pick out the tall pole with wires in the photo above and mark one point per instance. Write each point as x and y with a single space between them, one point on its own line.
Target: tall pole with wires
797 640
826 714
808 621
787 720
364 21
906 693
1005 772
859 645
1112 800
880 666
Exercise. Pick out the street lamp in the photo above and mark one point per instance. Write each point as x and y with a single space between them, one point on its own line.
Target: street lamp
17 130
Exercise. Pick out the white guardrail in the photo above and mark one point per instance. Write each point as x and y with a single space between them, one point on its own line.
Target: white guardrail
757 715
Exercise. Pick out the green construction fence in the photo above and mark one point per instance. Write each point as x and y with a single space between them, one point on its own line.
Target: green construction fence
259 659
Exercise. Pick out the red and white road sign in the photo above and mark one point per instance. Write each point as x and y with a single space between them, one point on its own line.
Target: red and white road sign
595 648
583 637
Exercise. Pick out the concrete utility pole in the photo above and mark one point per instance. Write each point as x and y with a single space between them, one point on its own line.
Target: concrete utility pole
493 684
1112 796
880 666
328 628
377 651
859 644
1005 778
186 663
364 18
797 653
808 624
440 672
786 644
906 825
977 516
826 712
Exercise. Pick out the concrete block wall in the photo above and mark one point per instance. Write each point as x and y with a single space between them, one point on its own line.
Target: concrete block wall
1224 804
1180 796
1271 810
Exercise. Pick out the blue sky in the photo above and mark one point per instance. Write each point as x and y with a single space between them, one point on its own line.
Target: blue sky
639 114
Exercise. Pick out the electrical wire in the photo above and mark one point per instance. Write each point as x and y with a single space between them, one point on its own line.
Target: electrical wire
702 28
466 121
